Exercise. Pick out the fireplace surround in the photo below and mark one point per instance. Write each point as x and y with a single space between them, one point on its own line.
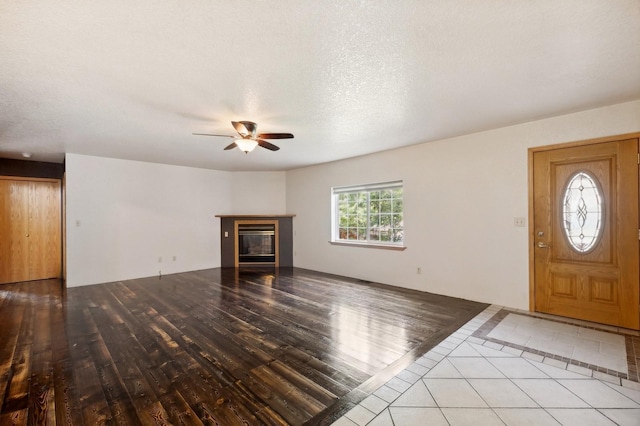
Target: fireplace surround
256 240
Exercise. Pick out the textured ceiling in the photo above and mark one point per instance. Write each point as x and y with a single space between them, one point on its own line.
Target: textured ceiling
133 80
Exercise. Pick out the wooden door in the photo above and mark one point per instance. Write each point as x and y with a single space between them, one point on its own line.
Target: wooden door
14 228
585 232
45 244
30 229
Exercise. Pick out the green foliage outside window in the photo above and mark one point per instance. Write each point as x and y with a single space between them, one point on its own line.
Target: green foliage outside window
371 216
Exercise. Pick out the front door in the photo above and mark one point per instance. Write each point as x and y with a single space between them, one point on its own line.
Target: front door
585 232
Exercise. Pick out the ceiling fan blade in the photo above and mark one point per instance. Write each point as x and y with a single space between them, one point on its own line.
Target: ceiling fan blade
209 134
230 146
245 128
275 136
267 145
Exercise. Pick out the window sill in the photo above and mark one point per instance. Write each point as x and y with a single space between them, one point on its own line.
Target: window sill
368 245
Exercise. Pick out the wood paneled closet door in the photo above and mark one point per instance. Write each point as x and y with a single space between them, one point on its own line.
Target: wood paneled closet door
30 229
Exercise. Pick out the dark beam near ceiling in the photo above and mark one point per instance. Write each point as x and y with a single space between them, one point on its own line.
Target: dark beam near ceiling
36 169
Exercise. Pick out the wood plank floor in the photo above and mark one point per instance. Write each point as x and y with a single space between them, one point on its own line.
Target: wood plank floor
214 347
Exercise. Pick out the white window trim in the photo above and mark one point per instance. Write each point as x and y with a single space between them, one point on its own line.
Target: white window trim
335 216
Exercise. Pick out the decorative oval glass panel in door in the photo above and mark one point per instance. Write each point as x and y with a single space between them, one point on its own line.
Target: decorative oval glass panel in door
582 212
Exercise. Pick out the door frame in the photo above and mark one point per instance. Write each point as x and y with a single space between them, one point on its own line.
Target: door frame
531 239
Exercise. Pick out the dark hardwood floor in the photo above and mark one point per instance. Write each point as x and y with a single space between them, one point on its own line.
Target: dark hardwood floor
215 347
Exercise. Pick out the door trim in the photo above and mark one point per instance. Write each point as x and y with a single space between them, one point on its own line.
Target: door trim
531 151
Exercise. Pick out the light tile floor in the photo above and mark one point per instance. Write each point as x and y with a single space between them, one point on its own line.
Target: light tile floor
467 380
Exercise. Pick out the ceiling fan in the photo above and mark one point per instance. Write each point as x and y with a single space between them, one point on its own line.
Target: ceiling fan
249 139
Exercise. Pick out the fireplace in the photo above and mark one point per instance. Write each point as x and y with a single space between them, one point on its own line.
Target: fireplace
256 240
256 243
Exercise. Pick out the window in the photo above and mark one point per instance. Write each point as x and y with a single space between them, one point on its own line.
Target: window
369 214
582 212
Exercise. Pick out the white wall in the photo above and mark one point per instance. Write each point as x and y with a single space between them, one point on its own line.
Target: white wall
461 197
131 213
258 192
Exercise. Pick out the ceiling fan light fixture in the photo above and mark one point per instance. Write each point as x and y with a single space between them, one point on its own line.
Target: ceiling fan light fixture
246 145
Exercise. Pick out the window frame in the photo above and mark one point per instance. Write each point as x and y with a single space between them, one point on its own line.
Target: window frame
368 189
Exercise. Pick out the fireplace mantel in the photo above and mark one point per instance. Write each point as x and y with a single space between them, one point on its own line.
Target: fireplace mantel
254 216
229 238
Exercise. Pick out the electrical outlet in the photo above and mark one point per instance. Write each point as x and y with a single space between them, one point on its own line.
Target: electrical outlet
519 222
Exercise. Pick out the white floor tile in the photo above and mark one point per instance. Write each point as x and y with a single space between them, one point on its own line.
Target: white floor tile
557 373
448 345
613 360
582 417
416 396
405 416
453 393
566 329
510 336
578 341
418 369
607 378
493 345
444 370
532 356
517 368
512 351
501 393
602 336
551 346
453 340
526 417
382 419
386 393
489 352
434 356
584 371
629 393
549 393
623 417
441 350
344 421
597 394
374 404
538 333
426 362
471 417
408 376
464 350
476 368
555 363
360 415
630 385
398 385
